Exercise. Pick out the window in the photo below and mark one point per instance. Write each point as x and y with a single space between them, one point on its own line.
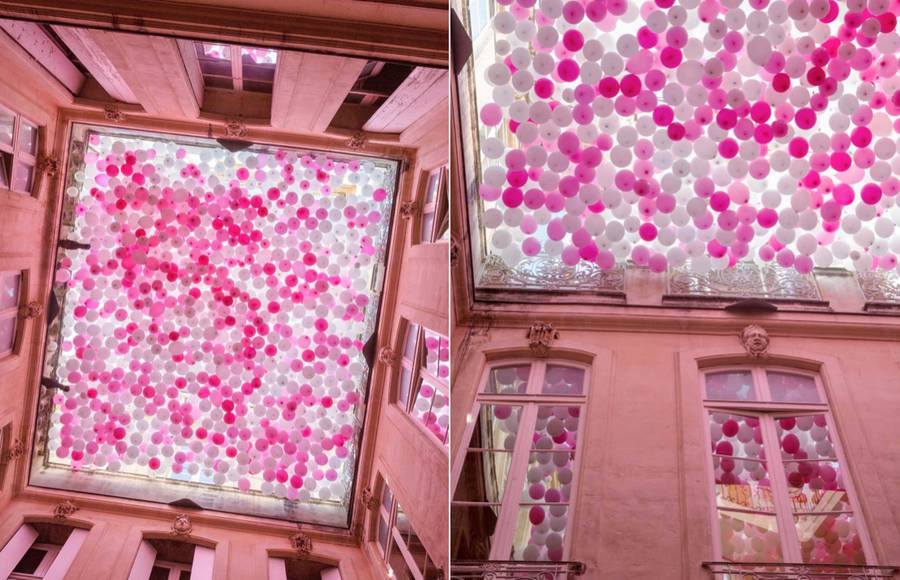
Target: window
435 224
424 379
237 68
400 547
782 493
35 562
40 550
170 571
18 151
172 560
10 290
516 488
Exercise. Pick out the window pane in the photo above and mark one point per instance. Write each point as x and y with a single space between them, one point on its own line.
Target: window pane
217 51
805 437
22 177
747 537
540 533
28 138
7 333
790 388
260 55
560 380
830 539
409 344
741 478
433 180
484 473
387 497
7 122
730 386
508 380
5 169
735 435
427 226
382 533
399 565
159 573
30 561
437 354
472 530
405 378
9 289
816 486
432 409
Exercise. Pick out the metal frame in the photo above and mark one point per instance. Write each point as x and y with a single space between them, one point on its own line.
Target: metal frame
767 571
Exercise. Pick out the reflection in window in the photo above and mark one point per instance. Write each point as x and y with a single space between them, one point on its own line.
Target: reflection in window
780 488
424 379
514 495
403 552
18 152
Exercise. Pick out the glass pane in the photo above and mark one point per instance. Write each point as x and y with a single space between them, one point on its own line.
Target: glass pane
830 539
437 354
540 533
816 486
159 573
405 378
805 437
28 138
386 497
484 473
382 533
7 123
560 380
409 344
432 409
5 169
7 333
22 177
260 55
9 289
217 51
747 537
472 531
508 380
549 477
185 575
433 180
735 435
427 226
742 484
30 561
730 386
790 388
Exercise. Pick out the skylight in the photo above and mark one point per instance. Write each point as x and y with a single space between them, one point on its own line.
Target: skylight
211 336
683 134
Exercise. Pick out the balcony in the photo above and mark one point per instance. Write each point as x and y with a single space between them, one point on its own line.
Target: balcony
764 571
513 570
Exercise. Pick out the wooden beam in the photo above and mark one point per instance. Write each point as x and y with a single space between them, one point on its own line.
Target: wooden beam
38 44
310 88
361 29
420 92
96 61
143 69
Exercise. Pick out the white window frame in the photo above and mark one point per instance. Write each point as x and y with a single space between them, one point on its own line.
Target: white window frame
44 566
395 538
18 155
530 401
768 412
13 311
175 569
417 373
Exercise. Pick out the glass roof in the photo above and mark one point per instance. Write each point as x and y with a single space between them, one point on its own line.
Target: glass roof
211 336
690 134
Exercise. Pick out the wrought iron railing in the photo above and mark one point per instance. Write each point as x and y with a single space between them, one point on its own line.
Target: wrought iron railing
744 280
766 571
513 570
881 289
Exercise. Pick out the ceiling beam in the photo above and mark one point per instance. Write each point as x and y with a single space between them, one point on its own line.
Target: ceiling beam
134 68
39 45
361 29
310 88
422 90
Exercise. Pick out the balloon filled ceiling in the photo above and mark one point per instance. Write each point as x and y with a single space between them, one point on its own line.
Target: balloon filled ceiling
693 133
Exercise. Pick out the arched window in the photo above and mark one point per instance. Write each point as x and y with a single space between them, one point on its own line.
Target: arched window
516 483
424 390
782 493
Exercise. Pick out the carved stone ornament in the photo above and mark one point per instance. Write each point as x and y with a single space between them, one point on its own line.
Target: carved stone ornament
755 340
16 450
182 525
388 356
454 251
301 543
540 336
408 209
63 510
235 128
369 499
30 310
112 113
357 141
48 165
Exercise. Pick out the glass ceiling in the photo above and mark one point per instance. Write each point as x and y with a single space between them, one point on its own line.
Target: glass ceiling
681 134
211 336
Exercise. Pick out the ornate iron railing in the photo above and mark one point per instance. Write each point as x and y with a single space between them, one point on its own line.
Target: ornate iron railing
881 289
549 273
744 280
765 571
512 570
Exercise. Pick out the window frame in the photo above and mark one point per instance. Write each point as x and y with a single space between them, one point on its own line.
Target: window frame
17 154
417 372
42 569
530 401
394 536
175 569
768 412
434 207
13 311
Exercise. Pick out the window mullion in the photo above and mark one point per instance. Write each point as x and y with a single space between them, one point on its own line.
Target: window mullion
506 523
536 377
790 545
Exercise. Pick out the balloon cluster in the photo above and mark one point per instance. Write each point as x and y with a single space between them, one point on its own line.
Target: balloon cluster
213 332
700 132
